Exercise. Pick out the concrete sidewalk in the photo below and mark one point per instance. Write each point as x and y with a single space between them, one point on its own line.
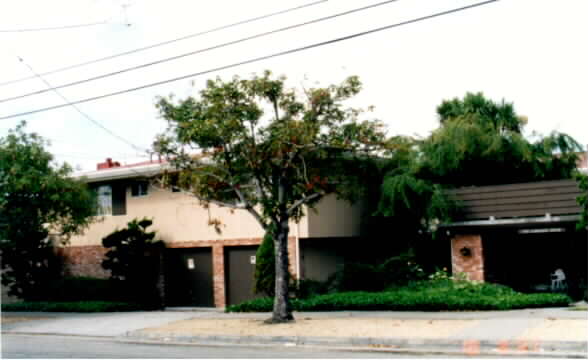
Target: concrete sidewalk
555 332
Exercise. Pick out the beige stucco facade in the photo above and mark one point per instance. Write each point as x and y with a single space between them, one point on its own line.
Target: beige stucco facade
179 217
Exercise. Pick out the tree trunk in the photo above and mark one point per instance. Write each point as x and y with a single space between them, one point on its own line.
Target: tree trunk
282 311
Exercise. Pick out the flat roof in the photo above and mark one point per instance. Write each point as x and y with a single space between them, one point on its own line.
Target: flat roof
145 169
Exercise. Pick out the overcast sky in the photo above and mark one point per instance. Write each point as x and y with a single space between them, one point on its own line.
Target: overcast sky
529 52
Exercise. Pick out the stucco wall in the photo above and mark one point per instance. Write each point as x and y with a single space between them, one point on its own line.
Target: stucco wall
176 217
334 218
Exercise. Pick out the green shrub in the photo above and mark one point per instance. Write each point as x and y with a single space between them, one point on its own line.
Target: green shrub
74 306
265 266
437 295
307 288
133 259
396 271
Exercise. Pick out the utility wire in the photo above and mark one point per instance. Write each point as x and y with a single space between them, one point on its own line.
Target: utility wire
242 22
68 103
226 44
65 27
282 53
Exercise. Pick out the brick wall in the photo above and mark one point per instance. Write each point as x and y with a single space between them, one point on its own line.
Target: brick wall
467 256
84 261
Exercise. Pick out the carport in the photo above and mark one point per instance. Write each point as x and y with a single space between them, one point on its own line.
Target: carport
519 234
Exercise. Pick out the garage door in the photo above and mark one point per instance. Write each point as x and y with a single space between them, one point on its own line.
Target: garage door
239 272
189 277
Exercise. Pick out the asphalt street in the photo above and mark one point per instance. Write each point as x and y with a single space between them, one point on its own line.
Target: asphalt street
64 347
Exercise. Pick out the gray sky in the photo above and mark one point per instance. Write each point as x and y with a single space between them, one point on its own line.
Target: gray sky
530 52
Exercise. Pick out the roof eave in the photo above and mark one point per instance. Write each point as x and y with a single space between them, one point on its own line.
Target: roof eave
120 173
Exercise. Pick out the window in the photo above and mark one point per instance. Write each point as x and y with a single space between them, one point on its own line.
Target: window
104 200
139 188
111 200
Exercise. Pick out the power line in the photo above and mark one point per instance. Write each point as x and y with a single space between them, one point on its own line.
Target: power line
65 27
234 42
68 103
242 22
282 53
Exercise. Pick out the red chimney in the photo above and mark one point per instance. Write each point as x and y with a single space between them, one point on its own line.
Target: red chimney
107 164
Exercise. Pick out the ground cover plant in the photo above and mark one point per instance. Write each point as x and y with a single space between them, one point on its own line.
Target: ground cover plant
427 295
81 294
73 306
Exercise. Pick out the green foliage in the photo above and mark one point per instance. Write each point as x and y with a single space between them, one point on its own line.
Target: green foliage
37 198
265 266
419 203
306 288
289 157
501 117
583 201
395 271
479 142
421 296
134 260
74 306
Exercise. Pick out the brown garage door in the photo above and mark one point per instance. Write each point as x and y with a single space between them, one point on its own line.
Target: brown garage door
239 272
189 277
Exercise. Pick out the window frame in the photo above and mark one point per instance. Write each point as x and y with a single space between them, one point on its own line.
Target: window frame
142 188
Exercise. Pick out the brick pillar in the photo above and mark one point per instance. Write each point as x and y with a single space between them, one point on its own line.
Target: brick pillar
218 275
467 256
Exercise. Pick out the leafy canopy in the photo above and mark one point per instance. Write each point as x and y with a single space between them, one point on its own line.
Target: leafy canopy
37 198
253 144
480 142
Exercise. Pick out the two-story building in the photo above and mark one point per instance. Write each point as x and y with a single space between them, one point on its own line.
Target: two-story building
202 266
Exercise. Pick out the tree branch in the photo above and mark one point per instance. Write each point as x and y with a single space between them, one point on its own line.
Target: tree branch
257 217
303 201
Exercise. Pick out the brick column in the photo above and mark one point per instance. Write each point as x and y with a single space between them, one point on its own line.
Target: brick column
218 275
467 256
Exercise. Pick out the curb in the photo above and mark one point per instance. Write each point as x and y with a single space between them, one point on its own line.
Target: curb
569 349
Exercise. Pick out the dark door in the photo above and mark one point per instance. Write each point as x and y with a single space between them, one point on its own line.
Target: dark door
189 277
239 270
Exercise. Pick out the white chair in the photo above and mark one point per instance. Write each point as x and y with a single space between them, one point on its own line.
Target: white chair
558 280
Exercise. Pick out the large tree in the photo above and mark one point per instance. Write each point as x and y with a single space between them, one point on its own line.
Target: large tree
481 142
254 144
478 142
37 198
